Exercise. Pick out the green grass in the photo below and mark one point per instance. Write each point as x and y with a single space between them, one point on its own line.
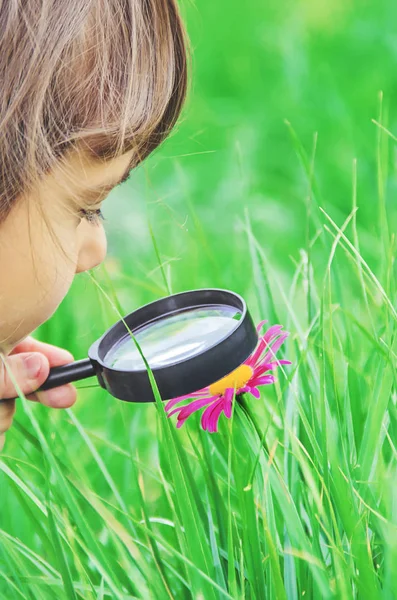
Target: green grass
278 184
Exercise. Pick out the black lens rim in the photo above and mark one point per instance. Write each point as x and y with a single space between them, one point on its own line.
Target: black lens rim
186 376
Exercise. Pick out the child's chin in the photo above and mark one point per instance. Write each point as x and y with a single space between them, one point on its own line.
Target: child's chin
22 330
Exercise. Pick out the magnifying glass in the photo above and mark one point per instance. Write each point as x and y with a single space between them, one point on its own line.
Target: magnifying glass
190 340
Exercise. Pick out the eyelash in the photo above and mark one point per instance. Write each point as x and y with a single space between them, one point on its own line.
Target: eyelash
92 216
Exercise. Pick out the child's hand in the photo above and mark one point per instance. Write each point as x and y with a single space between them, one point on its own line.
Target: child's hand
30 363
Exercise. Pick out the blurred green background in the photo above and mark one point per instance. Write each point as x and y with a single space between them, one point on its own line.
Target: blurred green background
270 81
319 66
276 85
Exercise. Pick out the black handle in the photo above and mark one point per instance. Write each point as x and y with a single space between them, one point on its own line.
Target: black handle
81 369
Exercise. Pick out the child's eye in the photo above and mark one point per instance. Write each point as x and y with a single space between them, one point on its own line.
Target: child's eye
92 216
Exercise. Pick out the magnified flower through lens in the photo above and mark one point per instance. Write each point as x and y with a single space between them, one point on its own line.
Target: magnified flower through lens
218 397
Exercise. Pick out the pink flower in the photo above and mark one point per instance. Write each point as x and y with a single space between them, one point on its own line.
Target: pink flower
218 397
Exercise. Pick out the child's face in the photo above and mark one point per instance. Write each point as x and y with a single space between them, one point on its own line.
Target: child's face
38 261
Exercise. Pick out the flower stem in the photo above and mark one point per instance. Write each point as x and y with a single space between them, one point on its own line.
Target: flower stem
242 400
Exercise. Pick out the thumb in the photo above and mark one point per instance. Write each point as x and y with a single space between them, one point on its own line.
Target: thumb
29 369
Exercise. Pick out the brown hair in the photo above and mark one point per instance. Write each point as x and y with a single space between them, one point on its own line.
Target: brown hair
110 75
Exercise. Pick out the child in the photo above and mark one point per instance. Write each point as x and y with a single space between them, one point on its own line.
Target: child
88 89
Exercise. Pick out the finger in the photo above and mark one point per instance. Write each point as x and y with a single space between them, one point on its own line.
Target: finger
29 370
7 410
60 397
56 356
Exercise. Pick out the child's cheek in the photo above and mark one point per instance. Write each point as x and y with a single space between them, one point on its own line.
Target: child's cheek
53 268
37 267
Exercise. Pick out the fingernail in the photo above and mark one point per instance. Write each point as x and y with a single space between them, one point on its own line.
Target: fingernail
33 364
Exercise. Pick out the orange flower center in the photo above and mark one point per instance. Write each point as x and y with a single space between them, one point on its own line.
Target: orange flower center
235 380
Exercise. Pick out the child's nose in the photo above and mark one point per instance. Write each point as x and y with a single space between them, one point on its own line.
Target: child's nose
92 249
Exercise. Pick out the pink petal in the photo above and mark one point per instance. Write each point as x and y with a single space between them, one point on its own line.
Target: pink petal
207 413
171 403
275 347
268 366
276 363
272 332
177 409
262 380
214 417
260 325
243 390
228 401
174 401
187 410
251 360
262 368
255 392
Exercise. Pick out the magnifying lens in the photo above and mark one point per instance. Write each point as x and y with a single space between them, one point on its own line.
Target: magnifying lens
190 340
